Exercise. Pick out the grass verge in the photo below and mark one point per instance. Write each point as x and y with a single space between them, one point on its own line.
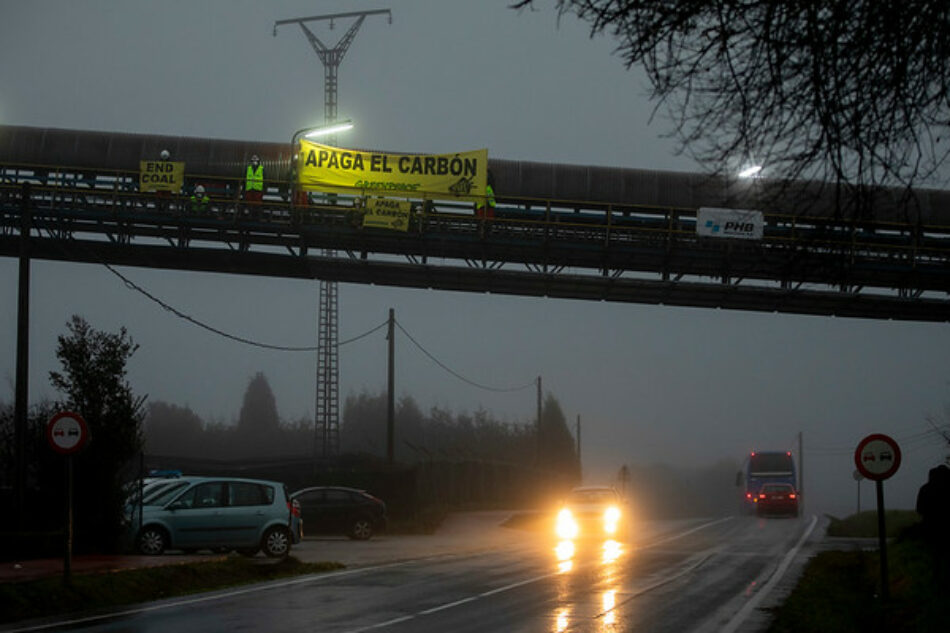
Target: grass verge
838 591
864 524
90 592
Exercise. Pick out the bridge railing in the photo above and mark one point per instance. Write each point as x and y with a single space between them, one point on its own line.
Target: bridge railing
70 189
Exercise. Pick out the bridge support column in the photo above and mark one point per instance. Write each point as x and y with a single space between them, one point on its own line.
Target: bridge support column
21 397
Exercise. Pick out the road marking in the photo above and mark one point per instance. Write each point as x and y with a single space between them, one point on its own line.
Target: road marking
687 532
659 583
702 558
204 598
380 625
449 605
753 602
319 578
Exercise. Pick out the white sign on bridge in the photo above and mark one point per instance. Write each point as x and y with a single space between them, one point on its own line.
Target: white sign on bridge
739 223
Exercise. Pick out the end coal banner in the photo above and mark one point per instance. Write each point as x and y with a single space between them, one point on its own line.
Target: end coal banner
161 175
386 213
456 176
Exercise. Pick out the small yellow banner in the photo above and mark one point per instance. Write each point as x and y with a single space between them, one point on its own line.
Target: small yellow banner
161 175
447 176
386 213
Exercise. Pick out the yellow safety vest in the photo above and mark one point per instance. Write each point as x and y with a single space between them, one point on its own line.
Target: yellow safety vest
490 194
254 180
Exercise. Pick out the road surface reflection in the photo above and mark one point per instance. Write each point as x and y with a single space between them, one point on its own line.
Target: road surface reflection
603 561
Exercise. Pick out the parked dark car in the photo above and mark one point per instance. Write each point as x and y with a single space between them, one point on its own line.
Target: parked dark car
339 510
777 499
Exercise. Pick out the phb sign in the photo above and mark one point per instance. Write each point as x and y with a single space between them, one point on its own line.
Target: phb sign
736 223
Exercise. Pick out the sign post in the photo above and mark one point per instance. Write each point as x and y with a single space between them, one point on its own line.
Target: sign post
67 434
878 457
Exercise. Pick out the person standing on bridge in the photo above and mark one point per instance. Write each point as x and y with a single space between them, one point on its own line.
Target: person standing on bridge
163 197
254 181
486 207
199 201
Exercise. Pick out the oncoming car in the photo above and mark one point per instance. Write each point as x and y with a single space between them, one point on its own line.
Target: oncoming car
592 512
218 513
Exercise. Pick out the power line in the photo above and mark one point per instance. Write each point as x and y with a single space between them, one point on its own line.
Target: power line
282 348
906 441
458 375
169 308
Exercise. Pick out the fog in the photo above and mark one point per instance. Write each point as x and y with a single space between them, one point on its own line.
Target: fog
650 384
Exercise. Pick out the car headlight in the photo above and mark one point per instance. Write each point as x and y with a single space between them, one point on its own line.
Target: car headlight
566 526
611 519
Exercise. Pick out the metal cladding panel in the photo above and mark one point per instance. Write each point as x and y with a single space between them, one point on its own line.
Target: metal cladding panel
507 176
680 190
571 182
121 151
535 180
219 158
606 184
641 187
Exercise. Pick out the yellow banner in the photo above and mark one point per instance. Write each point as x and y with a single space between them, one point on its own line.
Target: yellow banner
456 176
161 175
386 213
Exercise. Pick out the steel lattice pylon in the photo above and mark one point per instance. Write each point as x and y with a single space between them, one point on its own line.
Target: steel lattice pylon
327 407
327 434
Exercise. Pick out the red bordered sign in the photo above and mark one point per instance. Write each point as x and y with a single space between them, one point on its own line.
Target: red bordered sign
67 432
877 457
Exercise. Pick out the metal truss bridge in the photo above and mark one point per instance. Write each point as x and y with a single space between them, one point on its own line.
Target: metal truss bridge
532 247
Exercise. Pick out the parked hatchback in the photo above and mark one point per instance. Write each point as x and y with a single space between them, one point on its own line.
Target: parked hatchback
219 513
340 510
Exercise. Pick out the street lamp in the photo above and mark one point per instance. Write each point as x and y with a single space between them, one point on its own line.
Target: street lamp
323 130
311 132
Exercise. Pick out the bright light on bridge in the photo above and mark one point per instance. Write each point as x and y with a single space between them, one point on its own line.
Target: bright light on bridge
748 172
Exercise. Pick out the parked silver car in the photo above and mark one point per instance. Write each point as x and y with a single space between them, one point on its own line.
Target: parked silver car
218 513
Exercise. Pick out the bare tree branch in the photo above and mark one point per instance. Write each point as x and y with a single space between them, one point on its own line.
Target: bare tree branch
849 92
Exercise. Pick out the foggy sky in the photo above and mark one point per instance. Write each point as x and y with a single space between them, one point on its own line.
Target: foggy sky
650 383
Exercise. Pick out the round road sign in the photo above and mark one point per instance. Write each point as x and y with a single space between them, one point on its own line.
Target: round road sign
67 432
877 457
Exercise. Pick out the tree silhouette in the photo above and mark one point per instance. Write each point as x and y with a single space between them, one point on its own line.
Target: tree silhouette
258 423
173 431
851 92
94 385
556 450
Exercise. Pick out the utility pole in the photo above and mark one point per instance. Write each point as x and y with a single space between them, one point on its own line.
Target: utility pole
327 409
801 464
579 472
538 429
21 396
391 391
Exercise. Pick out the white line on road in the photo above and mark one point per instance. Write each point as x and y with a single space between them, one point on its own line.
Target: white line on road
535 579
687 532
753 602
199 599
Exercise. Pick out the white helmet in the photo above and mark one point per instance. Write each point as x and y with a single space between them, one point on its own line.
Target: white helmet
165 154
200 189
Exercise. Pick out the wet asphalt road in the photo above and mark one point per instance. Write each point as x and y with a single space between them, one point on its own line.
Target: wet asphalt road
477 576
